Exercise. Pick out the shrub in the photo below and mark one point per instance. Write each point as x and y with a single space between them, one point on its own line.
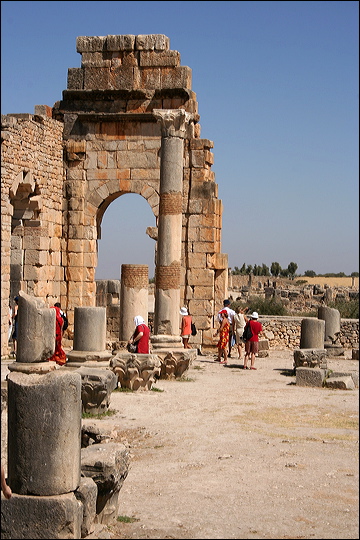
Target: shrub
272 306
348 309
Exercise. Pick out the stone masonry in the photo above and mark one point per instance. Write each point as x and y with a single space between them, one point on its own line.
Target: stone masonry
63 166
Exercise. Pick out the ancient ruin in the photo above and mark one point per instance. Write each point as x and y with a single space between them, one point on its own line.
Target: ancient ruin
128 122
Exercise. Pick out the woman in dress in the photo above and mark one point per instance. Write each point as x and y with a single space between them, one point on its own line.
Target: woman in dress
59 355
223 332
141 336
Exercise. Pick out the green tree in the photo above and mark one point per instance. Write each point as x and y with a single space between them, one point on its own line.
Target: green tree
284 272
310 273
249 269
354 274
292 267
265 270
275 269
243 270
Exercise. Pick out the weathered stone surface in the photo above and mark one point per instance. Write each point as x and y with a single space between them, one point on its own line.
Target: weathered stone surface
136 371
96 388
310 376
87 495
26 516
310 358
108 465
341 383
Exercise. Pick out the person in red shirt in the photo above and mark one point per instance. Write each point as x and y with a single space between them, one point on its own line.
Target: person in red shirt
141 336
252 345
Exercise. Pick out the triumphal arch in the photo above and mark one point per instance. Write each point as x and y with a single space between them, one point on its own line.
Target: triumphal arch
128 122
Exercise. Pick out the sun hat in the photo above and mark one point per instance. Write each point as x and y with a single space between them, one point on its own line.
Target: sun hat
223 311
183 311
254 315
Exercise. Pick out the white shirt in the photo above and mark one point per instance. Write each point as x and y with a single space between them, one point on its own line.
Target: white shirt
231 314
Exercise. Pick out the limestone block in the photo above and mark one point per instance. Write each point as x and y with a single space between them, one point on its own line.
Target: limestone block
26 516
178 77
310 376
263 348
87 495
341 383
108 465
159 58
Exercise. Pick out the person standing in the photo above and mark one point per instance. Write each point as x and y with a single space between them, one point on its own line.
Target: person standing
252 345
141 336
59 355
5 488
239 322
231 314
223 332
63 314
185 332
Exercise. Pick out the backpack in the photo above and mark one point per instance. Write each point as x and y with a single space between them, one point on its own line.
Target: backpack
193 329
247 333
66 322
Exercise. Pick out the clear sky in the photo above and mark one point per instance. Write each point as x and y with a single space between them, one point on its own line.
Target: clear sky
278 90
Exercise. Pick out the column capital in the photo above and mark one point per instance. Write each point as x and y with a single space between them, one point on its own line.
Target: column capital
173 121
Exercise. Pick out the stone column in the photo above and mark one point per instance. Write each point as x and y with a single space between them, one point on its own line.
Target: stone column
168 263
89 338
312 333
134 297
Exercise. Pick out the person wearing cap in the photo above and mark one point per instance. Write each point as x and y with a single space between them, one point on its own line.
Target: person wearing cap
252 344
231 314
223 332
185 327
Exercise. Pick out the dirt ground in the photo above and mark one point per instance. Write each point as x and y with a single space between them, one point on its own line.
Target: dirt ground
229 453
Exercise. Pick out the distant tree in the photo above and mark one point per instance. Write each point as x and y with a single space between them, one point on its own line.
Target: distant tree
292 267
309 273
265 270
275 269
284 272
243 270
236 271
354 274
256 270
249 269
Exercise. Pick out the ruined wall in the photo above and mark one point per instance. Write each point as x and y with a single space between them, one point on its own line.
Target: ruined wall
103 141
32 177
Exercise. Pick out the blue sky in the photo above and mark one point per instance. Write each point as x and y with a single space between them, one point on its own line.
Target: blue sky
278 90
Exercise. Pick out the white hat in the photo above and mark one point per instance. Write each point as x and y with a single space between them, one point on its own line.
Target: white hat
254 315
183 311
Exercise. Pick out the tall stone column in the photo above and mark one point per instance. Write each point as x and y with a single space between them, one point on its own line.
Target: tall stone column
168 263
134 297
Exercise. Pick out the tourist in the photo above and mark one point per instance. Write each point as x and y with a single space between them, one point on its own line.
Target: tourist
239 322
63 314
252 344
141 336
231 314
4 487
59 355
186 321
223 332
10 322
15 324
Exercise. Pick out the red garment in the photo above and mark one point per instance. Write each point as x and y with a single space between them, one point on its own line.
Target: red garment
256 328
186 325
143 343
224 336
59 355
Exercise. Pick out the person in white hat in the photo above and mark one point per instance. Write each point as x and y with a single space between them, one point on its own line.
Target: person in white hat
185 327
252 343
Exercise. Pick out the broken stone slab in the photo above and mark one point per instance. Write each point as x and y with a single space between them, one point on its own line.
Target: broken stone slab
32 517
96 388
333 349
353 374
108 465
87 495
263 348
310 358
136 371
340 383
306 376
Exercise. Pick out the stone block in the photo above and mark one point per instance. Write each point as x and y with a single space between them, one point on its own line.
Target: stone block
108 465
27 516
87 495
306 376
341 383
310 358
